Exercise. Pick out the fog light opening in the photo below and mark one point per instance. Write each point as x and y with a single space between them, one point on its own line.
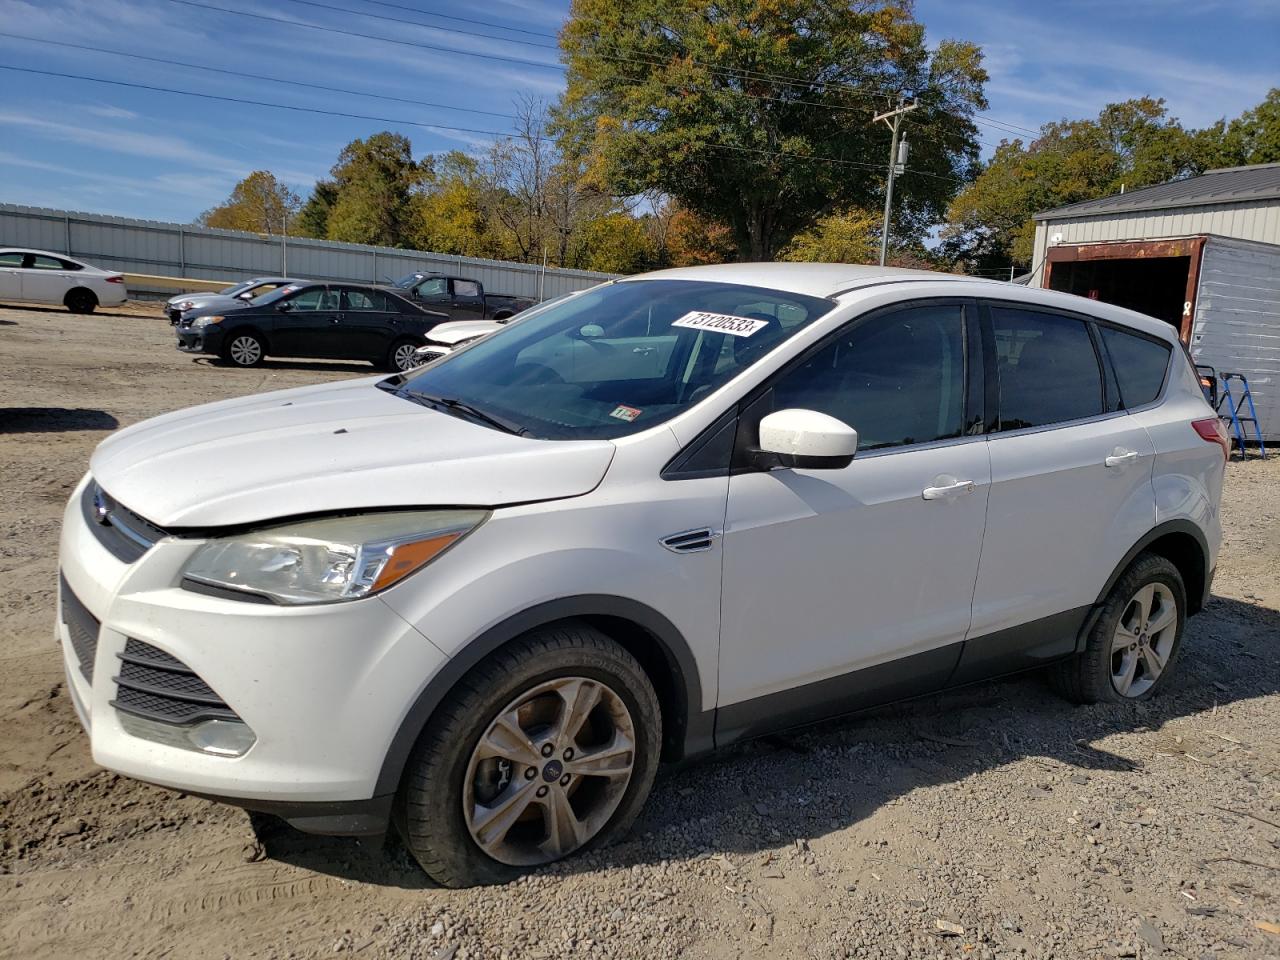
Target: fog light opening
222 738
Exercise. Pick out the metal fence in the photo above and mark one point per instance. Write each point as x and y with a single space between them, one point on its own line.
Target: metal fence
202 253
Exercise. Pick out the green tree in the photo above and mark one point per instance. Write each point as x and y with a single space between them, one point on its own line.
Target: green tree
687 97
849 237
313 219
259 203
449 213
375 180
1252 137
614 243
1131 144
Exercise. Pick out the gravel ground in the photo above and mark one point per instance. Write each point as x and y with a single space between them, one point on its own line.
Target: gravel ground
995 821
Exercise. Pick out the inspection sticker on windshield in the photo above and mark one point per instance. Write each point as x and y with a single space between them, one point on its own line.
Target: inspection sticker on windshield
721 323
626 413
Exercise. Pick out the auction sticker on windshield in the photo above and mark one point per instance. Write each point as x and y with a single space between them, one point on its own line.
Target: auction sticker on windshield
721 323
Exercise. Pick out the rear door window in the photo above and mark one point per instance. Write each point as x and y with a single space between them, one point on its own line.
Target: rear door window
11 258
1140 364
1047 368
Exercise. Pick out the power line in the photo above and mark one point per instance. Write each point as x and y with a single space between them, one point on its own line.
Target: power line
419 23
815 158
252 76
457 19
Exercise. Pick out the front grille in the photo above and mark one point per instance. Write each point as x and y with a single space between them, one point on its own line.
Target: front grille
126 534
158 686
82 628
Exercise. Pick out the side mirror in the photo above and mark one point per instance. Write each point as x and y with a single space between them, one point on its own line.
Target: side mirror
807 439
244 296
285 307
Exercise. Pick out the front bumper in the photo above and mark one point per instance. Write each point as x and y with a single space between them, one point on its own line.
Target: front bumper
199 339
323 689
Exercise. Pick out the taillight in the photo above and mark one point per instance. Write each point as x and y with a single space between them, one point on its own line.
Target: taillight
1214 430
115 279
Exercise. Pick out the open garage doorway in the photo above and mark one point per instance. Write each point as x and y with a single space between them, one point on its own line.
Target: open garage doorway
1156 277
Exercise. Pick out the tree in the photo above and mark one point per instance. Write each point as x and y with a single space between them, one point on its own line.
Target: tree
449 214
1252 137
313 219
695 240
259 203
1130 144
740 109
849 237
614 243
374 181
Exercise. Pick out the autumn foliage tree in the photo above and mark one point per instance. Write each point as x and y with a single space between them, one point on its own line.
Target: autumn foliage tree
259 203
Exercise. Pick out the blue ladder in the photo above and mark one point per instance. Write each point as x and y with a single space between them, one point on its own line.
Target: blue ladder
1234 408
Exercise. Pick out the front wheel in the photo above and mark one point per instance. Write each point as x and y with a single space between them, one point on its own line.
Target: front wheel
547 748
1134 644
400 357
244 350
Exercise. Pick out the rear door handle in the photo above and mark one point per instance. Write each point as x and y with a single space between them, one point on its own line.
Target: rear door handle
948 488
1121 457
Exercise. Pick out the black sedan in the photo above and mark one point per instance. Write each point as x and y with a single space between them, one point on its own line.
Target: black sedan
333 321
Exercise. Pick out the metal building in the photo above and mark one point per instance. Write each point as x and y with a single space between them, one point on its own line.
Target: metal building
1202 254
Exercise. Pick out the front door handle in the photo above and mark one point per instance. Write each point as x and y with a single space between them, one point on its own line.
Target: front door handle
1121 457
947 488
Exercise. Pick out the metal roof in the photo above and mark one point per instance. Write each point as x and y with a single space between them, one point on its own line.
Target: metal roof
1228 185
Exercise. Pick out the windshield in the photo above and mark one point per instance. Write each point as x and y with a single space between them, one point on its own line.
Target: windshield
279 293
409 281
615 359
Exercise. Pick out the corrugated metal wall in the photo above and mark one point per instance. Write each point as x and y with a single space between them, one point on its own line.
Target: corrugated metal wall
177 250
1237 321
1258 221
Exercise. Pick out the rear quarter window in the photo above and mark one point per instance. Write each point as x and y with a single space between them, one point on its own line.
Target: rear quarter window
1140 364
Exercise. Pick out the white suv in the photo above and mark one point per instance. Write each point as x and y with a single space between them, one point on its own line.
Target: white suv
483 599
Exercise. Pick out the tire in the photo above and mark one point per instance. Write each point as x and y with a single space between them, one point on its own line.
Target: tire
244 349
1130 654
399 356
81 300
442 797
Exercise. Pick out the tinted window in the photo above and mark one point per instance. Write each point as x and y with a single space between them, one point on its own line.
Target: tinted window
434 287
897 378
11 258
1047 368
317 298
364 300
466 288
1139 363
41 262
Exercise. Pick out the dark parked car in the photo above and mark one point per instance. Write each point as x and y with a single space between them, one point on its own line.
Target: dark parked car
339 321
460 298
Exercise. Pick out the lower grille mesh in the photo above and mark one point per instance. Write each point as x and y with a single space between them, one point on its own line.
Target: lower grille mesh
82 629
158 686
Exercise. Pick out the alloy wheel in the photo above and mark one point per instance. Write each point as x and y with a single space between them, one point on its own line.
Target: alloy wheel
549 772
245 351
1143 640
403 356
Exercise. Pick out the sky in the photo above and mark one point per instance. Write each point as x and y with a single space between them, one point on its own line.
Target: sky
67 142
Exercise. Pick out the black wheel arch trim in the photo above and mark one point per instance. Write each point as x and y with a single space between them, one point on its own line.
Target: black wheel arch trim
1194 603
690 728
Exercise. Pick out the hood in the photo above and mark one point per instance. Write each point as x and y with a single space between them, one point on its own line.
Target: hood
344 446
199 301
457 331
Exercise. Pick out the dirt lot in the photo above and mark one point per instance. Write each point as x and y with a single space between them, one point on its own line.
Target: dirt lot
992 822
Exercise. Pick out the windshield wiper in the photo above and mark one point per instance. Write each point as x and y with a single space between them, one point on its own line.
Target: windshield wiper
454 405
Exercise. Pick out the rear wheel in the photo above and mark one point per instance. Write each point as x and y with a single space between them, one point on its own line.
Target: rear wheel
400 357
81 300
547 748
244 350
1134 644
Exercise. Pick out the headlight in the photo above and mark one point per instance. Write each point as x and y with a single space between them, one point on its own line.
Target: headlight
329 560
185 305
205 321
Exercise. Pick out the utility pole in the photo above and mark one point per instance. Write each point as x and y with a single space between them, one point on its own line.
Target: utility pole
896 163
284 244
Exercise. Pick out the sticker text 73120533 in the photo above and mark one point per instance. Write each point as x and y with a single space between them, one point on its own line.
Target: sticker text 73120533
721 323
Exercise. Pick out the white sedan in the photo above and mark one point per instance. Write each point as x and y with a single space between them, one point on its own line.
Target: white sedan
39 276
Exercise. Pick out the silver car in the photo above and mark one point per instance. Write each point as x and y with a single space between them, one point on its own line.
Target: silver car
232 296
